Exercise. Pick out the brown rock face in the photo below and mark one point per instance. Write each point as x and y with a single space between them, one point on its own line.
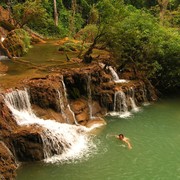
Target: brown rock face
7 121
44 92
66 97
28 144
8 164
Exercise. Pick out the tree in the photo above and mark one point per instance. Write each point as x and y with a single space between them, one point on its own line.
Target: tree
55 14
30 11
72 17
163 7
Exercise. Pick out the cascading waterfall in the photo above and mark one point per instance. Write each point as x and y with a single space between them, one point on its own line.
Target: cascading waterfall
146 103
132 99
68 106
62 142
116 77
120 107
62 104
114 74
89 96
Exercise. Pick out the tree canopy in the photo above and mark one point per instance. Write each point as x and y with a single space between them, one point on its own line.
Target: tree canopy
143 32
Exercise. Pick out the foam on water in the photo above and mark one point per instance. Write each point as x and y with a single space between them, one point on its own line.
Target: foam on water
62 142
120 114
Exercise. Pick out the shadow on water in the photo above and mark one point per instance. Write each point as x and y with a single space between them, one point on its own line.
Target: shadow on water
154 135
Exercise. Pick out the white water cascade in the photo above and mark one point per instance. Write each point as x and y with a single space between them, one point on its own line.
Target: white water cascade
62 142
63 96
120 107
146 103
62 106
89 96
132 99
116 77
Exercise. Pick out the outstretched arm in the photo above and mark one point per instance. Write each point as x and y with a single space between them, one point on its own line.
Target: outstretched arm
126 140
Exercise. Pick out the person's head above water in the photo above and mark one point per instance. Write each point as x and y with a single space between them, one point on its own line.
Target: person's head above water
121 136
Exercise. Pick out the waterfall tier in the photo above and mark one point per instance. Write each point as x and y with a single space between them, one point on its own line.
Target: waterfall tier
61 141
120 107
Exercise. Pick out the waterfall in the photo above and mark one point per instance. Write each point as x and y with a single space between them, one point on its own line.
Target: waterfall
116 77
62 142
120 107
62 104
132 99
66 99
19 100
144 94
89 96
114 74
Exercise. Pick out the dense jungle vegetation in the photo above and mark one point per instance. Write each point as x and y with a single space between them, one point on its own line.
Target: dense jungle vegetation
145 33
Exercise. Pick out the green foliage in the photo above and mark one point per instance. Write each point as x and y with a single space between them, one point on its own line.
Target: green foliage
138 38
169 59
29 12
88 33
132 35
93 15
47 28
70 46
78 22
173 18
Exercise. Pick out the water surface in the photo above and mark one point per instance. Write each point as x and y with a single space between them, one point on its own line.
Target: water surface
41 60
155 136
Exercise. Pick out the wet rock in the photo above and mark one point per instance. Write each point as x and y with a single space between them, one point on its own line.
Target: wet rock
28 144
8 164
7 122
44 92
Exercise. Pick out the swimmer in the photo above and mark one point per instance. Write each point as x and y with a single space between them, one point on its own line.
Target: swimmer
124 139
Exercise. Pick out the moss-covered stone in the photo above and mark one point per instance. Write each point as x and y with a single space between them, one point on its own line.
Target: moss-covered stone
17 42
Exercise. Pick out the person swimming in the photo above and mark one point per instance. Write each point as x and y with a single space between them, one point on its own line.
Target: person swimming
124 139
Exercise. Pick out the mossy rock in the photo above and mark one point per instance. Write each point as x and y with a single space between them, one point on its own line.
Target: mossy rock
17 42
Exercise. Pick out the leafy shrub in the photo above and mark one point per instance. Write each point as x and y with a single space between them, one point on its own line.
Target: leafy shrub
87 34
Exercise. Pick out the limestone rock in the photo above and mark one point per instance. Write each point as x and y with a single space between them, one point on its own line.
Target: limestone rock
28 144
8 164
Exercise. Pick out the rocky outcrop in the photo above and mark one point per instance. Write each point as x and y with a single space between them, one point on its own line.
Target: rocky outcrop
84 87
7 122
28 144
44 92
8 164
16 43
81 95
7 126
